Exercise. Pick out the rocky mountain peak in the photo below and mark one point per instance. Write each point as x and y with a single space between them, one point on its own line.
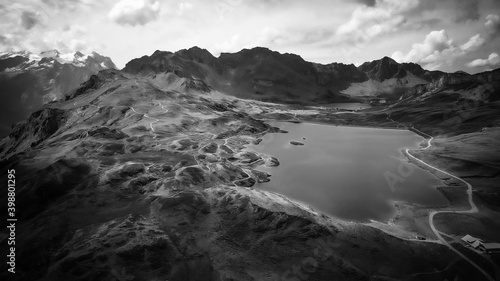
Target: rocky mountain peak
197 54
461 72
385 68
156 63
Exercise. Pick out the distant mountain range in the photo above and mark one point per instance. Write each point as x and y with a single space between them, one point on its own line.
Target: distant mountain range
265 75
29 80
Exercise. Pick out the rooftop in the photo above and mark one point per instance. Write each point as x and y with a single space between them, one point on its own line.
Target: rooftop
491 246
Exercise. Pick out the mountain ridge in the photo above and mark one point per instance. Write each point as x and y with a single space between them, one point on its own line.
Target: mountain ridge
263 74
30 80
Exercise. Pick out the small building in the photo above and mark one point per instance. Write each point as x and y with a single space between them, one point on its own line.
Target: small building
476 245
490 248
470 239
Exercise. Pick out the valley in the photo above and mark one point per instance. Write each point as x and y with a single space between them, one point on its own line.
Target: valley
159 172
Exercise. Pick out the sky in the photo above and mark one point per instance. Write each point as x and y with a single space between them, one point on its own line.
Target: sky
447 35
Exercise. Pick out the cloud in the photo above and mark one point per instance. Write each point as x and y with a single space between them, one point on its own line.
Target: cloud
369 3
434 43
492 24
70 38
493 60
135 12
6 41
473 44
368 22
438 49
29 19
72 5
267 37
458 11
233 44
184 7
467 10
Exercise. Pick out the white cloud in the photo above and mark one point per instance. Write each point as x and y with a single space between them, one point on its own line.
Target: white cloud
473 44
135 12
492 61
70 39
434 43
368 22
438 49
184 7
233 44
492 24
267 37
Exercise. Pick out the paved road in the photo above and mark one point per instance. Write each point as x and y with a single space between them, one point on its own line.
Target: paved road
473 208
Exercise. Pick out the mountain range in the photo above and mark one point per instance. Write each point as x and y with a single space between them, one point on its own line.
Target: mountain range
30 80
265 75
144 173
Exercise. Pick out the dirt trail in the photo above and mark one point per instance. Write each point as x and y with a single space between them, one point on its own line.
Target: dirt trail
147 116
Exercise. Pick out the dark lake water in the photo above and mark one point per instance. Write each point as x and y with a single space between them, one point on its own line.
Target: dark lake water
342 171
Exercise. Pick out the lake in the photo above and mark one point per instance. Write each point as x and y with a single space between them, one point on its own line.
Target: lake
342 171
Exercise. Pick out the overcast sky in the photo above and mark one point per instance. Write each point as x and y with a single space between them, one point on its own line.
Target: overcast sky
448 35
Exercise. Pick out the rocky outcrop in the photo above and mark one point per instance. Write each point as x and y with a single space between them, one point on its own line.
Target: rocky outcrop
40 126
95 82
482 87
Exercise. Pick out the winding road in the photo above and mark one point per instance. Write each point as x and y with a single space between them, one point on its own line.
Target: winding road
147 116
432 214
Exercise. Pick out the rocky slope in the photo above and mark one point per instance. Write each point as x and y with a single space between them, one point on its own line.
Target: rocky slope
455 103
388 80
482 87
29 80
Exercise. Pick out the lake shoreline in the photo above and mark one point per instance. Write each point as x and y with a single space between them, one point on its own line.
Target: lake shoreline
391 215
409 219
